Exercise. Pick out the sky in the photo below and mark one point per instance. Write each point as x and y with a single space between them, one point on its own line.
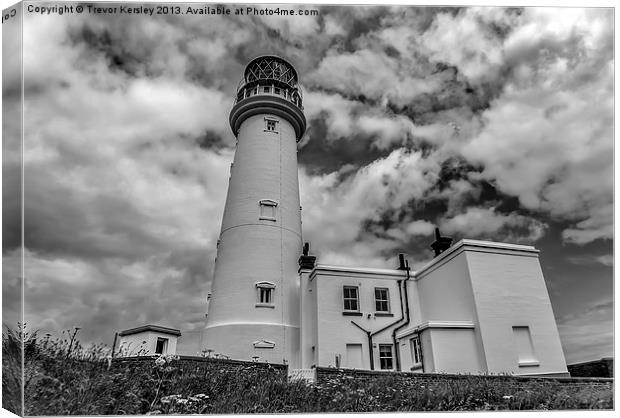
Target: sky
490 123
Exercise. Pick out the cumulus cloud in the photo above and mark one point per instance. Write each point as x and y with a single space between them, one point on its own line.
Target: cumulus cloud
350 120
487 223
385 184
375 75
479 56
547 139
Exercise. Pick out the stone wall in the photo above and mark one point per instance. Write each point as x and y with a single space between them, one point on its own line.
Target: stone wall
324 374
597 368
204 363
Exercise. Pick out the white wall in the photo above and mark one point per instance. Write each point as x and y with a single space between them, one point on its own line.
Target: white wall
190 343
144 343
471 297
334 329
445 297
134 344
510 290
252 250
308 320
454 351
445 292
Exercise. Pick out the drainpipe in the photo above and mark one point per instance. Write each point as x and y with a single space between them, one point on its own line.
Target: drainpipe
402 315
404 265
369 335
396 350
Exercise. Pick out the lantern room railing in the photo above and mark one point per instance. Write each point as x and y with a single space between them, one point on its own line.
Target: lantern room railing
270 76
269 88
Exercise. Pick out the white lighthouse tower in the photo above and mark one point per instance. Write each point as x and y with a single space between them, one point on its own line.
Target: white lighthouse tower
254 307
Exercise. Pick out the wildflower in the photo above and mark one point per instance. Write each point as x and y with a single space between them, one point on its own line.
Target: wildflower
507 397
169 398
160 361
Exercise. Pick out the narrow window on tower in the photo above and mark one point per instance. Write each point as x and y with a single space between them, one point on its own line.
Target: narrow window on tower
264 294
271 125
268 209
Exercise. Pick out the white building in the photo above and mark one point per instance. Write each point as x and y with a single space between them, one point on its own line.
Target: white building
147 340
478 307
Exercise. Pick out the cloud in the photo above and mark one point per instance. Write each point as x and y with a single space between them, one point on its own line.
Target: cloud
351 120
108 294
547 139
588 334
120 178
419 227
335 211
479 56
372 74
605 259
488 224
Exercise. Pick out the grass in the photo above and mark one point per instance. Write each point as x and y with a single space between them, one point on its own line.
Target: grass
63 378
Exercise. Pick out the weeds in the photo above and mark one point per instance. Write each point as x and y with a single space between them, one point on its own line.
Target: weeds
62 377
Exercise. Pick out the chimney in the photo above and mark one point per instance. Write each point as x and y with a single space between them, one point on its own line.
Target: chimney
401 262
307 261
441 244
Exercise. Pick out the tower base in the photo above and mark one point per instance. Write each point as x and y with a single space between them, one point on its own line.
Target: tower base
262 342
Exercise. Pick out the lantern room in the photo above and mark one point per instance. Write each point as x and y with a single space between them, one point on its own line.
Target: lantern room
272 76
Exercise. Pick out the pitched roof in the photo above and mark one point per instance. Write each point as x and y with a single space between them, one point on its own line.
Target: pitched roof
154 328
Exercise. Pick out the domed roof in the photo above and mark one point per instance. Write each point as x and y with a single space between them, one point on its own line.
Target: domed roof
271 67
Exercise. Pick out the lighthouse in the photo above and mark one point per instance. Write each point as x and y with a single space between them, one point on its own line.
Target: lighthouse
254 307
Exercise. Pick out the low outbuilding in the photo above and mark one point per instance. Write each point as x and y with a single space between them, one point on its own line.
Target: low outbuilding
147 340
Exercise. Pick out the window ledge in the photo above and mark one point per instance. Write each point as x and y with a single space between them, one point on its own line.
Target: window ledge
345 313
265 305
416 367
266 218
529 363
273 132
383 314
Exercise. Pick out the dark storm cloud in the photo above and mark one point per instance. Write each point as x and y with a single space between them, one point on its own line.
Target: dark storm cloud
60 222
322 156
211 140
